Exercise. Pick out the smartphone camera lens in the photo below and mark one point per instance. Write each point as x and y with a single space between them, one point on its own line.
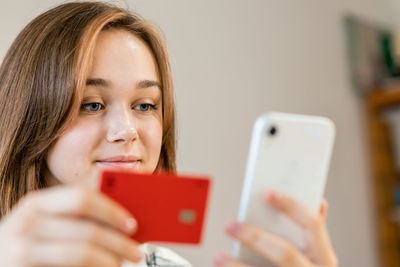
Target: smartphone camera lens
272 130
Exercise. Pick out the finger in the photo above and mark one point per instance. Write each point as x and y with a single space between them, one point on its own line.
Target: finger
223 260
76 201
299 213
268 245
69 254
68 229
323 210
319 245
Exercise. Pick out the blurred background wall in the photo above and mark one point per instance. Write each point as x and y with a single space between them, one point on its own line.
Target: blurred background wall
233 60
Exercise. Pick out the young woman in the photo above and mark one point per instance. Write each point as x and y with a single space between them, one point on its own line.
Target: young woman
87 86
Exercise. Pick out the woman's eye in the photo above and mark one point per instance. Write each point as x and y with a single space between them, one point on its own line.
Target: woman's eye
144 107
92 107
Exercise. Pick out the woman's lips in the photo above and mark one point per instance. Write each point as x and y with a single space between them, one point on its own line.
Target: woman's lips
119 164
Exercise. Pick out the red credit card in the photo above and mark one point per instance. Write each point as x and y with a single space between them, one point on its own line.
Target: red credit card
168 208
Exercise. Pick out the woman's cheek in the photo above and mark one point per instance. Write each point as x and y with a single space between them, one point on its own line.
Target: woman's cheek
151 134
69 159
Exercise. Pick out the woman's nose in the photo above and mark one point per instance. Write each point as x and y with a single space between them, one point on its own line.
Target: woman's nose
121 129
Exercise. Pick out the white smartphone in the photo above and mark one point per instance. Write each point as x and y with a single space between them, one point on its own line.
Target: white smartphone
289 153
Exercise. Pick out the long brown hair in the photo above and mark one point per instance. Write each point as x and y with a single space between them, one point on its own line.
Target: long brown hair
42 79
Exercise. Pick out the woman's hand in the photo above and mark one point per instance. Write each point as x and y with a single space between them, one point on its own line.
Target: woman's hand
67 226
318 252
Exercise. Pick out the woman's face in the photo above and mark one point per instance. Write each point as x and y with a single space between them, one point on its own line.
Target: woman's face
120 121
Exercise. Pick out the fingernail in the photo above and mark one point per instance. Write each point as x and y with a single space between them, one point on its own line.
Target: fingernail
273 197
233 228
130 225
219 260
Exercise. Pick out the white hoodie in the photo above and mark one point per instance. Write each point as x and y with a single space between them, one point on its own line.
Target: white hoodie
158 257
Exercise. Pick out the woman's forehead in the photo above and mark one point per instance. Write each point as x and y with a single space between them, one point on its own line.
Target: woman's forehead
119 56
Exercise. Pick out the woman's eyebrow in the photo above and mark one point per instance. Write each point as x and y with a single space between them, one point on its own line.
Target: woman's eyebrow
139 85
147 83
97 82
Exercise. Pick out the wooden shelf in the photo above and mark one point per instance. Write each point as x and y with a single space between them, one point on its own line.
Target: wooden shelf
384 99
384 173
